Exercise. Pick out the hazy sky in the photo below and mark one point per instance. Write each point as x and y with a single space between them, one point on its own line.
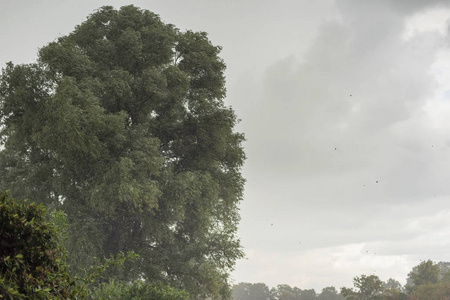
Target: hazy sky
346 108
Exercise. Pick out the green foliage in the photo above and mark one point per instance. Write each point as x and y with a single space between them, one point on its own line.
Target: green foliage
329 293
349 294
250 291
31 260
432 282
393 290
426 273
365 288
368 286
121 125
96 271
446 277
429 280
258 291
137 290
286 292
439 291
59 220
444 267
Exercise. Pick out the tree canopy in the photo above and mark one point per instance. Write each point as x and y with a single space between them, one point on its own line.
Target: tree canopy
427 272
365 287
122 125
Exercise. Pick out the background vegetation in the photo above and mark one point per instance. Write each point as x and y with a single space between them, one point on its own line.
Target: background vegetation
428 280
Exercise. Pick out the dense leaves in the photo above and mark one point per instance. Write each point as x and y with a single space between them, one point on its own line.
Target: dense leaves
137 290
424 281
32 262
427 272
365 288
33 265
122 125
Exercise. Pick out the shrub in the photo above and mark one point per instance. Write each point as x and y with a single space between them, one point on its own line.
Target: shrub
137 290
31 260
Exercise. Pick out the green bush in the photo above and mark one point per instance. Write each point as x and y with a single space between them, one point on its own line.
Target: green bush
137 290
32 262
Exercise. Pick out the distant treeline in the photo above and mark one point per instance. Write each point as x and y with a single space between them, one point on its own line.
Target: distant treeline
428 280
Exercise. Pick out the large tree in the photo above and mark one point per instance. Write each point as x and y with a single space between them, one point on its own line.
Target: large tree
122 125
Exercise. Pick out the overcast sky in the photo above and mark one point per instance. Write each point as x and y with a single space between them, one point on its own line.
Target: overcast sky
346 108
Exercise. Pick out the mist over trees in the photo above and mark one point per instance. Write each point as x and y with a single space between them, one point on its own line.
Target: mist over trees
121 124
428 280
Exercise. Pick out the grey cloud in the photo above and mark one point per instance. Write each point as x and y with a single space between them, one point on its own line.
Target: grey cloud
401 7
342 133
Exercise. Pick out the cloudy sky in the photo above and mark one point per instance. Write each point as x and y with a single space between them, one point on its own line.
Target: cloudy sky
346 108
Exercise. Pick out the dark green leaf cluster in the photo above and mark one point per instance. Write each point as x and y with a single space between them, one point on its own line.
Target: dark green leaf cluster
137 290
121 124
32 262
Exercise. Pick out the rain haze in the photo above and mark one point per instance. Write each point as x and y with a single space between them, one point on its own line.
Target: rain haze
345 105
